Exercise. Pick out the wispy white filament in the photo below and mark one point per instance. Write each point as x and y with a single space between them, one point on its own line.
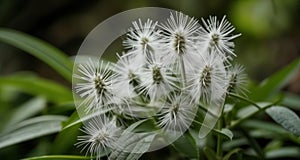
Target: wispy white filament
177 114
95 85
101 135
207 82
217 36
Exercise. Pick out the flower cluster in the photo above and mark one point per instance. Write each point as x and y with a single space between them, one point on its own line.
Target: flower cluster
166 71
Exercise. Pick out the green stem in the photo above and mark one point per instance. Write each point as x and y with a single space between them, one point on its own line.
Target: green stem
246 100
219 138
182 70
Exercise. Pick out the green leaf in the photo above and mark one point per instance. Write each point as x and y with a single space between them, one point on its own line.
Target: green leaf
231 153
40 49
210 154
229 145
132 146
253 143
186 144
285 152
76 119
267 126
61 144
26 110
291 100
249 111
226 133
30 129
273 84
34 85
286 118
56 157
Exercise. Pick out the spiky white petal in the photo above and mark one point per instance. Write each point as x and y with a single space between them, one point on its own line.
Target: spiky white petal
180 34
143 39
207 81
217 36
126 77
157 80
177 114
102 134
94 85
237 79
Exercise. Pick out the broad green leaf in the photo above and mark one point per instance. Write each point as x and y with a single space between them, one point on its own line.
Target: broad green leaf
210 154
40 49
286 118
56 157
186 144
284 152
274 83
30 129
31 84
26 110
231 153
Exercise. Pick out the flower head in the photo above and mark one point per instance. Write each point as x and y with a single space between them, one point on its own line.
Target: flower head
157 80
177 114
126 77
142 40
94 85
102 134
217 36
180 34
237 79
207 81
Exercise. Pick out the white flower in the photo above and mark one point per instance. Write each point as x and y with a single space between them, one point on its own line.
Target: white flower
142 40
237 79
217 36
157 80
180 34
208 80
126 78
102 134
94 85
177 114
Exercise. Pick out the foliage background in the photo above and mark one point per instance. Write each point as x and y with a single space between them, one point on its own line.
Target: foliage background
270 40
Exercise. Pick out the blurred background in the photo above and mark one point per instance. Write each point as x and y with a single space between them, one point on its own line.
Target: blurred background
270 29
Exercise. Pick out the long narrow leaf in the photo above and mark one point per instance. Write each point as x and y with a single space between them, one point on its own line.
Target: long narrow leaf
40 49
37 86
273 84
56 157
30 129
26 110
